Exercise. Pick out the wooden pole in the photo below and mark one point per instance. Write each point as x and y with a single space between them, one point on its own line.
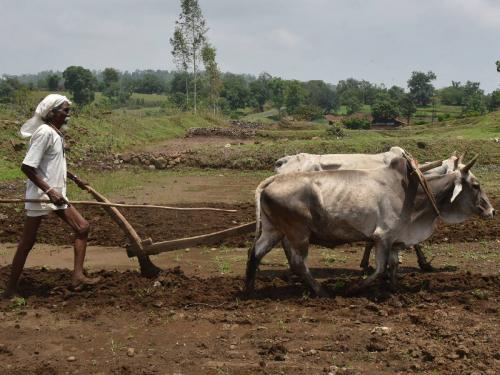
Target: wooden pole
110 204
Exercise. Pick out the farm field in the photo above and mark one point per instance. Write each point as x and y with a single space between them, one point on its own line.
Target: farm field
193 318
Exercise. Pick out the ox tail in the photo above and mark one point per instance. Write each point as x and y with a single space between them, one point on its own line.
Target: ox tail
258 192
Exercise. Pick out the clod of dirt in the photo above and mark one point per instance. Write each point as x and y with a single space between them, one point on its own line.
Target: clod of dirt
4 350
130 352
71 358
376 345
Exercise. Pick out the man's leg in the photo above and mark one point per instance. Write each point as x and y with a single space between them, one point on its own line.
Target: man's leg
26 243
81 228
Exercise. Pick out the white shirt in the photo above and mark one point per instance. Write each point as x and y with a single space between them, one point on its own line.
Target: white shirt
46 155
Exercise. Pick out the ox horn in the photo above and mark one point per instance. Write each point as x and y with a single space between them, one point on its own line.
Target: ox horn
469 165
454 153
462 157
428 166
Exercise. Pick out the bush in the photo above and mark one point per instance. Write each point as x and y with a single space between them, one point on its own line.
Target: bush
356 123
335 131
443 116
308 112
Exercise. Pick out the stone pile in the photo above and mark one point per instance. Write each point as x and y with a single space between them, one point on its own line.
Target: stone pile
149 160
246 124
221 132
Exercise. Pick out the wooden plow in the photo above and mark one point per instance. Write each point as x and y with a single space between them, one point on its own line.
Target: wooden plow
142 249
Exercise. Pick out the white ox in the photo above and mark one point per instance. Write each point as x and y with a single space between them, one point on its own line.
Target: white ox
385 206
305 162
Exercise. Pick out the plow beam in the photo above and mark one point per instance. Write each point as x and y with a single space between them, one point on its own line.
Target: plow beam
204 239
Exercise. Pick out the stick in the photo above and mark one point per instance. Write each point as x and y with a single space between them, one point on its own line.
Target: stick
92 203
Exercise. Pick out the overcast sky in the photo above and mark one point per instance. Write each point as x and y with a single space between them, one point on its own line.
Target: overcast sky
381 41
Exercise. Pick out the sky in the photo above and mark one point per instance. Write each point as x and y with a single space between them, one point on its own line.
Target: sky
381 41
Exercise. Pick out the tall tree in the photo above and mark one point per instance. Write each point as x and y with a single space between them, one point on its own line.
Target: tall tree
498 65
182 57
191 24
421 88
212 70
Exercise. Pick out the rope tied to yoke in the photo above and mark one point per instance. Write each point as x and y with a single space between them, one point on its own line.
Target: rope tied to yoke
415 170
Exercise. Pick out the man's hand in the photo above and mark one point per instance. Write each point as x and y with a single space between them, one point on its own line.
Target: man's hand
56 197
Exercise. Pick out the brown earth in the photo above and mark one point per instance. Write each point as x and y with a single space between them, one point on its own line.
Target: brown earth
193 319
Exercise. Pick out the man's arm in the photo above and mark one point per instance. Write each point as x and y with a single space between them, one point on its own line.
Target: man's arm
54 196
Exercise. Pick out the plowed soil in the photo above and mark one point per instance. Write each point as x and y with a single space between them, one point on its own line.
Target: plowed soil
193 318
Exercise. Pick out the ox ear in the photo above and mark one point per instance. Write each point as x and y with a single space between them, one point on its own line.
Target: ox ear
456 190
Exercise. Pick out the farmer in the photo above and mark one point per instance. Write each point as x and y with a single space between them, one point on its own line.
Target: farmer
45 167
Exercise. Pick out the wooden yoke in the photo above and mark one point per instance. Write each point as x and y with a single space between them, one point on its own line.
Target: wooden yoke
136 247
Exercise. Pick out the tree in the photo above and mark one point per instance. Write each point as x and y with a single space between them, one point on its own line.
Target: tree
396 93
182 58
235 90
53 82
295 96
452 95
8 86
321 95
278 88
212 71
189 38
352 102
81 83
150 83
494 100
385 109
421 88
112 88
473 102
407 107
261 90
498 65
110 76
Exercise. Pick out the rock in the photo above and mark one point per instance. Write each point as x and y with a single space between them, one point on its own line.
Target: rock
381 330
71 358
232 347
151 167
158 304
130 352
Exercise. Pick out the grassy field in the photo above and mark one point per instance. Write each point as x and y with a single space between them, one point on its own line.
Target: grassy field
98 131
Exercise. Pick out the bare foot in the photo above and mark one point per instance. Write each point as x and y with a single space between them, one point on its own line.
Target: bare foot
84 280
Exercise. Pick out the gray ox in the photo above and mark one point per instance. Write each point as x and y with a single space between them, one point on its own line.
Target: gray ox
385 206
304 162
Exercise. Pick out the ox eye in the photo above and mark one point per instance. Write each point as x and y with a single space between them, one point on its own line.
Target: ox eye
475 186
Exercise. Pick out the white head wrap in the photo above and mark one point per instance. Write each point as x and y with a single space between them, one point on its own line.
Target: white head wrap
50 102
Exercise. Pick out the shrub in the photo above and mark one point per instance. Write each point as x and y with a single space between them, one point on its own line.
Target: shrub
356 123
308 112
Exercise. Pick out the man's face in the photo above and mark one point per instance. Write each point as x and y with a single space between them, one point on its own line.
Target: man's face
61 114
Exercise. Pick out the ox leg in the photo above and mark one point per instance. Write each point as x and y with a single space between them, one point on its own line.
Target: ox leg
298 264
422 261
365 262
381 255
267 240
